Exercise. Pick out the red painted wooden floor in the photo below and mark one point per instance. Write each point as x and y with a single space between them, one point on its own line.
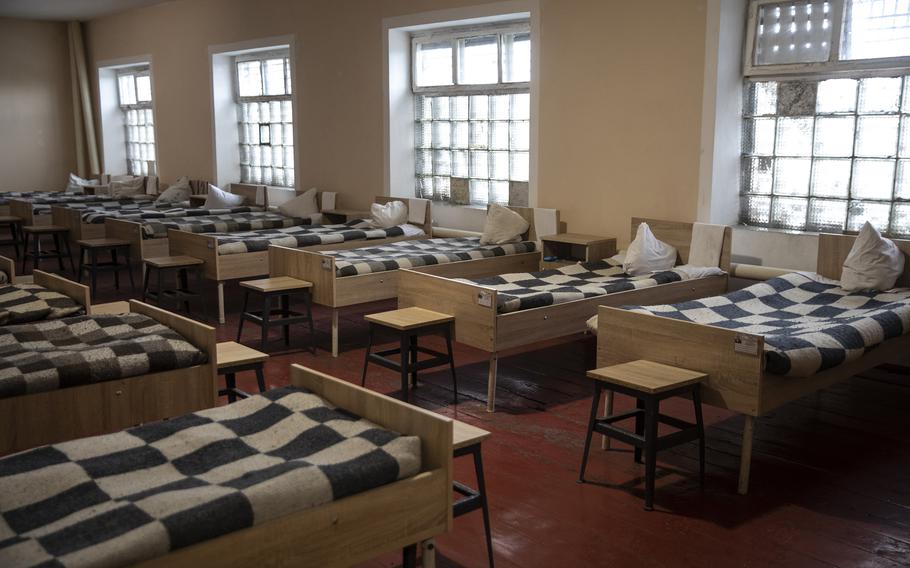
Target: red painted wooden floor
830 474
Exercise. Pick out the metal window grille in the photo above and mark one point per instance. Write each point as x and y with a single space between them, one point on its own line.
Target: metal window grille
135 92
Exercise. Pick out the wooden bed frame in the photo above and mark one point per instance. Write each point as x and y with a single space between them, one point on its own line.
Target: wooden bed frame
478 324
338 292
36 419
734 360
355 528
78 292
222 268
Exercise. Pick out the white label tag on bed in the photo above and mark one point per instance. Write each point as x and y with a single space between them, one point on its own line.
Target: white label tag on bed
326 264
485 299
746 344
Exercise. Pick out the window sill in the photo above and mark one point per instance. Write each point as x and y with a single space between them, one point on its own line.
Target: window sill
773 230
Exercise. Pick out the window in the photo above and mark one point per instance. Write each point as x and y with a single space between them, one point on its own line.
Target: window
472 113
825 151
265 114
134 87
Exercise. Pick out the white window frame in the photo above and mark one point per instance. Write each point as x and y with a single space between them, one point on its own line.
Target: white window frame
135 72
834 67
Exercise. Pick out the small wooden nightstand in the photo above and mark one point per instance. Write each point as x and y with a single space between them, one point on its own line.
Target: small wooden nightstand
344 215
569 248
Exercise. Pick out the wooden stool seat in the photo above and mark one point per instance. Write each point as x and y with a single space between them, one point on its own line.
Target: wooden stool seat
648 383
92 248
409 324
466 440
234 358
173 261
180 266
102 243
10 219
282 287
44 229
35 232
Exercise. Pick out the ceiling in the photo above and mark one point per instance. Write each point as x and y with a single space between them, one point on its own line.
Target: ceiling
66 10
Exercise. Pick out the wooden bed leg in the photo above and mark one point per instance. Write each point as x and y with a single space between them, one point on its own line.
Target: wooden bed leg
745 458
428 553
221 302
608 410
491 382
334 332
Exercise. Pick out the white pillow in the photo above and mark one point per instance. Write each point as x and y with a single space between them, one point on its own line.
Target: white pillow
177 191
389 215
75 184
304 205
502 225
648 254
127 188
874 262
220 199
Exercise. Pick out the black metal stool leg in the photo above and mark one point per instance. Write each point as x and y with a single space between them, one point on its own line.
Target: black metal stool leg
159 297
404 345
145 283
285 313
308 297
700 426
69 252
260 378
409 556
128 260
200 289
448 336
93 254
639 427
651 417
366 358
591 420
36 244
13 231
246 300
81 264
230 381
58 250
266 317
116 266
484 506
24 252
183 284
413 356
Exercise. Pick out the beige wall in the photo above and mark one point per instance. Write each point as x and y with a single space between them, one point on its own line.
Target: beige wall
36 112
620 95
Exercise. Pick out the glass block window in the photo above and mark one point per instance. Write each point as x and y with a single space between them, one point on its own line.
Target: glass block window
265 115
793 32
827 155
134 87
876 28
472 113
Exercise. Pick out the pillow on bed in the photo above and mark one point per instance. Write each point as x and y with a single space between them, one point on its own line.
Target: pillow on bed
220 199
127 188
389 215
502 225
874 262
303 206
648 254
177 191
75 184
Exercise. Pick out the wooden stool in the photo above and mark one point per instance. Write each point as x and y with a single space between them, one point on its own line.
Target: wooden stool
180 266
95 246
14 224
409 324
283 287
648 383
466 439
35 232
235 358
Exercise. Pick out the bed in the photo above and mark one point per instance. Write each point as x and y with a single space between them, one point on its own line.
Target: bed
245 255
513 310
322 473
97 347
343 278
741 376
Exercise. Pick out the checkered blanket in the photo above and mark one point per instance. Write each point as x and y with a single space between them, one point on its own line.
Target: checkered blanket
297 237
123 498
526 290
52 354
23 303
139 212
411 254
5 196
809 323
223 223
43 206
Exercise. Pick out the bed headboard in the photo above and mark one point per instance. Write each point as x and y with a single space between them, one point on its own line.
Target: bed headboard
533 215
427 224
679 235
254 194
833 251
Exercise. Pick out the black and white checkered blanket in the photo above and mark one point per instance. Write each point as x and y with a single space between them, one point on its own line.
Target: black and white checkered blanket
526 290
123 498
23 303
42 205
305 236
808 322
5 196
411 254
79 350
224 223
138 212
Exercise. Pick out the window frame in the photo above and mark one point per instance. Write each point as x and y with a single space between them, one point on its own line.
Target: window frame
136 71
834 67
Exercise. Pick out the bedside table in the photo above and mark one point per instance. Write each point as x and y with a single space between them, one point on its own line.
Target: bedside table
344 215
197 200
569 248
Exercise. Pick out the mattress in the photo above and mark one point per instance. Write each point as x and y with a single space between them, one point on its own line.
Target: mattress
415 253
23 303
135 495
42 205
527 290
137 212
809 323
297 237
5 196
223 223
81 350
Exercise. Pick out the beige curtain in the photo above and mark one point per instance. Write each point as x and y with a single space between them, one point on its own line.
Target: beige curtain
87 163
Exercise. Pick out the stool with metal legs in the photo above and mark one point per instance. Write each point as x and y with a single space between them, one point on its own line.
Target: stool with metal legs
61 242
14 224
281 287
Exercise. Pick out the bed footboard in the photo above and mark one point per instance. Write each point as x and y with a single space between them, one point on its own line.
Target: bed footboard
201 246
78 292
306 265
